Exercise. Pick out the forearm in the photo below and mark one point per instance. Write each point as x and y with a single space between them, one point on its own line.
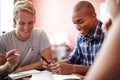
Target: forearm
3 60
80 69
6 69
37 65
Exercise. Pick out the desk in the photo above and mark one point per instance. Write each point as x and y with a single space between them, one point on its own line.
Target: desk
45 75
81 77
26 78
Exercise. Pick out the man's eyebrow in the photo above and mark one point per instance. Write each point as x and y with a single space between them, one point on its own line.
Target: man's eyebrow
77 20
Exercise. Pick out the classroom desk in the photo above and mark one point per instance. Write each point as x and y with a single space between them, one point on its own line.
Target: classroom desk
46 75
26 78
81 77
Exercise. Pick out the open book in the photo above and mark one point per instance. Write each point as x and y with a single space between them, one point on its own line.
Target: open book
43 75
46 75
23 74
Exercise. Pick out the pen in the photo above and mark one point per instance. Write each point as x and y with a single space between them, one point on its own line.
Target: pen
45 59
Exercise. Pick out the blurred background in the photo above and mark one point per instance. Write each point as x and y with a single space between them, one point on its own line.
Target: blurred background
54 17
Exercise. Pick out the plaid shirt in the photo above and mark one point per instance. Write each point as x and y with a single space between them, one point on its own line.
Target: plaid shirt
86 48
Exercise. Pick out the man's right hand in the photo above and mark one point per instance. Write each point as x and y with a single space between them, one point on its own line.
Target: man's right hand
62 68
106 26
13 57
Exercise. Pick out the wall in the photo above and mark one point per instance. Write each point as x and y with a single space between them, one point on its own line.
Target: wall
55 16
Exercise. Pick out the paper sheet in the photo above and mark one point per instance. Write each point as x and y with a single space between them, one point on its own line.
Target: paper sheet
46 75
43 75
23 74
65 77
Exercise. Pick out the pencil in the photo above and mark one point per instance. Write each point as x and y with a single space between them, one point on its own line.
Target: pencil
45 59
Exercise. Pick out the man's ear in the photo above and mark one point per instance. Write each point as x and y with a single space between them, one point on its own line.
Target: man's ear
14 23
94 14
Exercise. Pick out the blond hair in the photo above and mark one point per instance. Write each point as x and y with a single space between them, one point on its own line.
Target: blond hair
24 5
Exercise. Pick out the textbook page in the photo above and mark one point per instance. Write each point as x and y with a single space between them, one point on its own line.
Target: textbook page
65 77
43 75
46 75
23 74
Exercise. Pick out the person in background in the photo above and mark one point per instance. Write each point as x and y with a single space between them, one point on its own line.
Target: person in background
30 42
107 64
12 58
88 41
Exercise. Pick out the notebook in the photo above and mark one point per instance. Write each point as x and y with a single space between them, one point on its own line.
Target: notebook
46 75
23 74
43 75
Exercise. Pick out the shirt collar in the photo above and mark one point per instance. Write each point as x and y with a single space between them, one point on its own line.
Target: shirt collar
97 34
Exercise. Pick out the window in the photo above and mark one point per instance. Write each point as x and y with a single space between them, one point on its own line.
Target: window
104 14
6 16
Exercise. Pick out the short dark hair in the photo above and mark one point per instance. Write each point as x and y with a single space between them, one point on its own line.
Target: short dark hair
84 4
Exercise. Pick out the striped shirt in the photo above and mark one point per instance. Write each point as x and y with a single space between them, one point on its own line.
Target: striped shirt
86 47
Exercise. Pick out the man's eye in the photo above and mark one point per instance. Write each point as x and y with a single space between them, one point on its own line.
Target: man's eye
79 21
22 23
30 23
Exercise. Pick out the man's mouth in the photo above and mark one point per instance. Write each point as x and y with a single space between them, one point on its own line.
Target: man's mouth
25 31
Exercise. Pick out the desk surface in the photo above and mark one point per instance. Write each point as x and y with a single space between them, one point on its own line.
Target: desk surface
44 75
81 77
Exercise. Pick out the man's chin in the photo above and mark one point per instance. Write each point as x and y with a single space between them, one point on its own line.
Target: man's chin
81 32
84 34
25 37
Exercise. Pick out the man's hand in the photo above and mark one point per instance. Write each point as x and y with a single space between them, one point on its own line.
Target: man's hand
62 68
13 57
12 60
106 26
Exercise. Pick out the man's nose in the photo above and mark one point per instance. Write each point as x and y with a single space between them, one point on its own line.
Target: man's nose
77 25
26 26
